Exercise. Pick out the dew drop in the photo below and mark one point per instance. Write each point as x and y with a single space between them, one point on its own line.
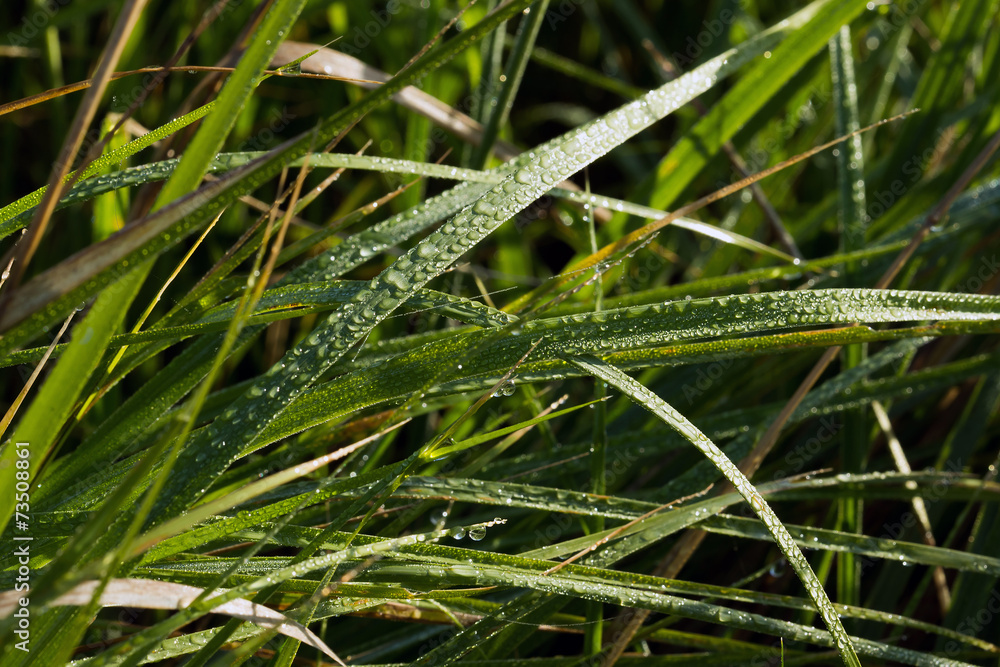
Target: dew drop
506 389
523 176
483 207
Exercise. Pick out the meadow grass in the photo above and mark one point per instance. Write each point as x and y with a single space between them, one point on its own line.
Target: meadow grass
521 334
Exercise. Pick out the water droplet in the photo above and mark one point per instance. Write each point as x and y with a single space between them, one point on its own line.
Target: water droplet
506 389
483 207
477 533
396 279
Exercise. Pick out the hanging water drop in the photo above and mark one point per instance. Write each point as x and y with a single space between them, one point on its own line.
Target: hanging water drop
506 389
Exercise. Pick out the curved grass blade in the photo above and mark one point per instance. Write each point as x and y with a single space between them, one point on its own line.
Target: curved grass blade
203 605
618 588
676 421
609 331
147 406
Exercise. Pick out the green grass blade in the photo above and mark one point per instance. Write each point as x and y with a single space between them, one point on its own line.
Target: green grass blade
527 32
853 220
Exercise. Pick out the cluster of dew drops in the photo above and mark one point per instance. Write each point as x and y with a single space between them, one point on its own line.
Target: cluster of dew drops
475 533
